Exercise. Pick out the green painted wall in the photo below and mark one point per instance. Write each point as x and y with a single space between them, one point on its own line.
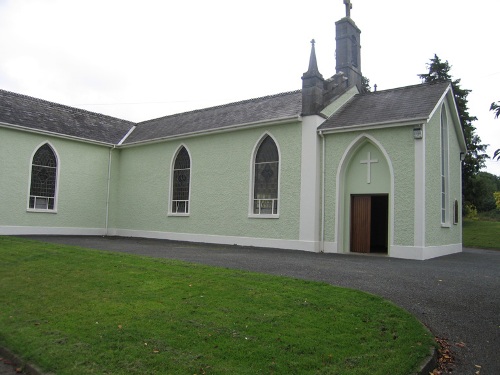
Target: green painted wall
220 185
437 234
82 184
398 142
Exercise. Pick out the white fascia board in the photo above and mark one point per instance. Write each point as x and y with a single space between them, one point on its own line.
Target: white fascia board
226 129
53 134
448 95
339 102
375 125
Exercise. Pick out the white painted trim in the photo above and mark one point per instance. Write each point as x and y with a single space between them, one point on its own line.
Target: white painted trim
127 135
7 230
310 180
424 252
330 247
419 202
108 190
252 178
58 170
446 155
171 187
341 171
376 125
339 102
439 102
219 239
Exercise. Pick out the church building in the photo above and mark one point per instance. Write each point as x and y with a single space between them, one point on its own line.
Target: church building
327 168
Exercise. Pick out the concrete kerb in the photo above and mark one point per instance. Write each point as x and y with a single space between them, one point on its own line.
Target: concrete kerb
27 368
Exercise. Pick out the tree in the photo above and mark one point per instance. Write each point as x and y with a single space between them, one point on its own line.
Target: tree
475 158
365 84
495 107
484 187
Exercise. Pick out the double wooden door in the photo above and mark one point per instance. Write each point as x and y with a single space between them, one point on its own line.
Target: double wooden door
369 223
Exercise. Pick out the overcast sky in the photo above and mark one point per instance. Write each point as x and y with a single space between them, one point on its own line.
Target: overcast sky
139 60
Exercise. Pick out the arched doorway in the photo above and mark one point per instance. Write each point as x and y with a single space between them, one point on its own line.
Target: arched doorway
365 198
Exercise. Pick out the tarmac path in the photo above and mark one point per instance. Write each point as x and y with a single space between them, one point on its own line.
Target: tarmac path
456 296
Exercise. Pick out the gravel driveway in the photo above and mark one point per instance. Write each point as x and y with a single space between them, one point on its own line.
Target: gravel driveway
456 296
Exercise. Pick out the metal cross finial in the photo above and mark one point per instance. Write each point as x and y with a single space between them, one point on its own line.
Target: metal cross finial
313 41
348 7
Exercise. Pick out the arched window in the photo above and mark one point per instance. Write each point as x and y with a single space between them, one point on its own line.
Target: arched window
266 170
43 179
180 182
444 167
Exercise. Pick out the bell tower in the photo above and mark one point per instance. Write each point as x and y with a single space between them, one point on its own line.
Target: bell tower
348 48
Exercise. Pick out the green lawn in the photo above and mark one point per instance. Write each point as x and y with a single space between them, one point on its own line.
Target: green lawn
481 234
75 311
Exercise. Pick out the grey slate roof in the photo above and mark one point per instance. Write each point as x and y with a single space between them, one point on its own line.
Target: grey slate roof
41 115
400 104
266 108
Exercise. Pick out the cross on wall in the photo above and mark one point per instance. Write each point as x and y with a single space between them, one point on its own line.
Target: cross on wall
368 163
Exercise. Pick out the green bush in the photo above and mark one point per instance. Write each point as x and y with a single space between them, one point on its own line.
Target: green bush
470 212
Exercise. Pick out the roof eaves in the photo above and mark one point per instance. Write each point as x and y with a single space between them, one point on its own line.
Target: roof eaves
375 125
54 134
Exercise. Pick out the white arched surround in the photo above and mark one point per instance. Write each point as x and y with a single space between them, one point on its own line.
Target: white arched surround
58 169
342 212
252 178
171 182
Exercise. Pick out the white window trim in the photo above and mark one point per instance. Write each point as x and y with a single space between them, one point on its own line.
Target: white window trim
171 193
251 214
445 153
58 171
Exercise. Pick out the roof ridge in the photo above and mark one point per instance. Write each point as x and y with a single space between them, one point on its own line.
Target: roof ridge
407 87
64 106
222 105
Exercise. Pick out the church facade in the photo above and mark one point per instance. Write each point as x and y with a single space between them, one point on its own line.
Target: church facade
327 168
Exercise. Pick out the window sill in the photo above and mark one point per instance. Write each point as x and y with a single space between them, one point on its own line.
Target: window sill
445 225
41 211
263 216
178 214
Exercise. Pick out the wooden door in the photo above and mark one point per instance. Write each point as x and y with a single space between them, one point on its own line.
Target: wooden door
360 223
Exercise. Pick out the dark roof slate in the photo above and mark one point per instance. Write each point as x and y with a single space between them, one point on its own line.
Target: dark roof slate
266 108
400 104
41 115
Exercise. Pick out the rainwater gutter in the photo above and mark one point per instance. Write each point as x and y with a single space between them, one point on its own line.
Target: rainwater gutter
323 169
109 189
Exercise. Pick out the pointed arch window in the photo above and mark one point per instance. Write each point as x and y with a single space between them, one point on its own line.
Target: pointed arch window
444 167
266 178
43 184
181 182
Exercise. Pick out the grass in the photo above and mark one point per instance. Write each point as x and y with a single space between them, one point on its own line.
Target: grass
76 311
481 234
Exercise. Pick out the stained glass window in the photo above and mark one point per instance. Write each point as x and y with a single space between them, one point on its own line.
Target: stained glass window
180 182
265 199
43 179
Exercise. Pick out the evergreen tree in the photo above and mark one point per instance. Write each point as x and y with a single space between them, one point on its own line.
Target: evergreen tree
439 71
495 107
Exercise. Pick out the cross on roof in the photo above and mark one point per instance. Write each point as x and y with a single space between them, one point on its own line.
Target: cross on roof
348 7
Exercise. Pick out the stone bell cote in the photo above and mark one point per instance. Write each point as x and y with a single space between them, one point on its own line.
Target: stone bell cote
348 48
